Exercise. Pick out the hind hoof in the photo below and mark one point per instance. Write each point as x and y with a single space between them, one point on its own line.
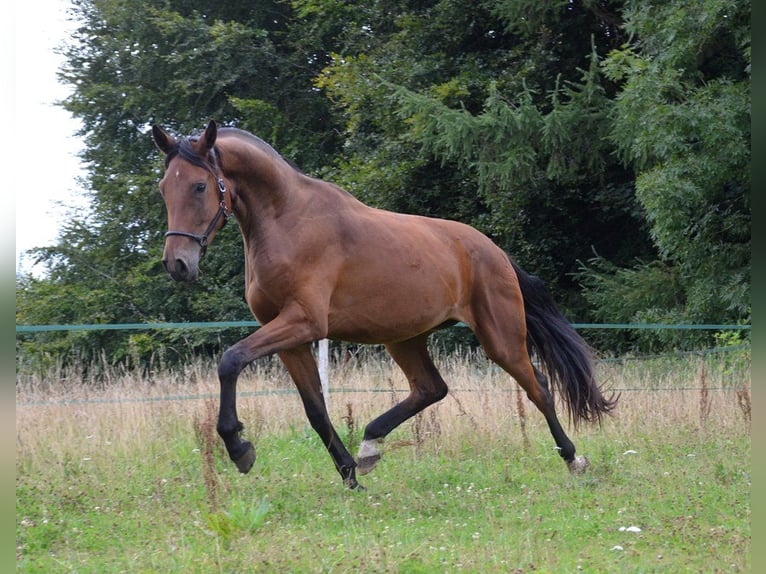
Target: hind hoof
367 464
578 465
368 456
352 484
245 461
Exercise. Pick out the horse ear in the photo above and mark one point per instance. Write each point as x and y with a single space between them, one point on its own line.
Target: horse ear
164 141
208 138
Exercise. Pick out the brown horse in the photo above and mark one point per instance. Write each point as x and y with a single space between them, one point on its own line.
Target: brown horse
321 264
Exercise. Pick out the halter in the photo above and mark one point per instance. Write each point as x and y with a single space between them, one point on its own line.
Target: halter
222 212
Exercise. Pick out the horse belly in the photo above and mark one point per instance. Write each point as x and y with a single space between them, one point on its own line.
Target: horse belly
405 298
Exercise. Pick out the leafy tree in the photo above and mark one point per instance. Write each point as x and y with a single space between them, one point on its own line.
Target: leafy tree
682 121
601 143
135 63
496 120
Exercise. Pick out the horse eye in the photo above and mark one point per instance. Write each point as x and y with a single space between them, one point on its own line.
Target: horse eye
200 188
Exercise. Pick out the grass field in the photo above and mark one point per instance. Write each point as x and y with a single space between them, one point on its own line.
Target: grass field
127 475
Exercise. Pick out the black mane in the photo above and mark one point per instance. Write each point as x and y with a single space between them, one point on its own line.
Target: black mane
185 150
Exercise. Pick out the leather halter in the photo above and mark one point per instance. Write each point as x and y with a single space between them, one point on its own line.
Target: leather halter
222 212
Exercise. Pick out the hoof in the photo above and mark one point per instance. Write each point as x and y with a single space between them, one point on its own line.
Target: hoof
367 464
368 457
352 484
578 465
245 461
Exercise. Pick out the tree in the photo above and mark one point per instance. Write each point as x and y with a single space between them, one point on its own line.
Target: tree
497 120
132 64
583 136
682 121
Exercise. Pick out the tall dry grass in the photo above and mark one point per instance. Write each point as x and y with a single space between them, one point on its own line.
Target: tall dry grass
62 415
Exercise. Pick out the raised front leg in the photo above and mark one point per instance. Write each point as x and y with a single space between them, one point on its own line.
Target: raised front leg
229 426
287 331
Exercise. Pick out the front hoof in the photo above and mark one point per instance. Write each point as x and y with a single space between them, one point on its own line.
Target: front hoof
352 484
245 460
578 465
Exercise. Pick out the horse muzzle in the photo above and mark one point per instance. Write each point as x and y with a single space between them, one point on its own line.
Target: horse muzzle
180 270
181 265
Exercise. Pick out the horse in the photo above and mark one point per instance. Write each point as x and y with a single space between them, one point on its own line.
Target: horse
321 264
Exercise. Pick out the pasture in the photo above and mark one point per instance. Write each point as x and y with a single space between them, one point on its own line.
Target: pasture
128 475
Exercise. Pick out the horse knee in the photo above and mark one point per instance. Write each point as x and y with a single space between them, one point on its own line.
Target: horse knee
231 365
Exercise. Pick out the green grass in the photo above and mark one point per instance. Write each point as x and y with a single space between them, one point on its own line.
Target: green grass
145 487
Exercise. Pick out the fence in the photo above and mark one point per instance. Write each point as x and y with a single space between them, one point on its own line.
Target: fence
323 355
230 324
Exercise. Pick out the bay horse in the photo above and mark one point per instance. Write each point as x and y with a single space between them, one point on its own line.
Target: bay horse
321 264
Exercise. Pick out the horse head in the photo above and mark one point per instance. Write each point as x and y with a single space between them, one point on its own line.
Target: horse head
194 192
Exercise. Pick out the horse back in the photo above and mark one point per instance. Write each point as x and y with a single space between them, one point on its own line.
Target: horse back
372 275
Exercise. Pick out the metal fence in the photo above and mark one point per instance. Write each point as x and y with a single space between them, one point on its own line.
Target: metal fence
323 347
231 324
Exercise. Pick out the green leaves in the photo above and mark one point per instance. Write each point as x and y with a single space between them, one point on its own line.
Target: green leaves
682 120
560 130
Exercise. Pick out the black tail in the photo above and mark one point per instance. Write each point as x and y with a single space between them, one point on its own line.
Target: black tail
565 357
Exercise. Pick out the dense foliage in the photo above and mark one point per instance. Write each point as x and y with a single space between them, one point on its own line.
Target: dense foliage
604 144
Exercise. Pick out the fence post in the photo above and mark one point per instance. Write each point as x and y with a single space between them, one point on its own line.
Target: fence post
324 361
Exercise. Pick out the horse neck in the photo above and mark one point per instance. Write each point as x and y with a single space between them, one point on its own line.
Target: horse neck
263 181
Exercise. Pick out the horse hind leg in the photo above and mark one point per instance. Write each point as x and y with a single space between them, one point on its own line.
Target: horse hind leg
576 463
426 388
510 353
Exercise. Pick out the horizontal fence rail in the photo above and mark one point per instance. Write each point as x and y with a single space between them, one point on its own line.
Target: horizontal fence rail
135 326
332 391
233 324
323 362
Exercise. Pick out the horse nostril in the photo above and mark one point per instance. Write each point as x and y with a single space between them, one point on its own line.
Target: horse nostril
177 269
182 270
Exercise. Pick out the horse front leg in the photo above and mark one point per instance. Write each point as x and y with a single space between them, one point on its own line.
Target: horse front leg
229 426
287 331
302 367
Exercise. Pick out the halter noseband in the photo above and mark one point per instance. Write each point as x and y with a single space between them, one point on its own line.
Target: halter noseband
222 212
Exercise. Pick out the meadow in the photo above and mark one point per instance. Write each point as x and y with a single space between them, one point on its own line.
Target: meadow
126 474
